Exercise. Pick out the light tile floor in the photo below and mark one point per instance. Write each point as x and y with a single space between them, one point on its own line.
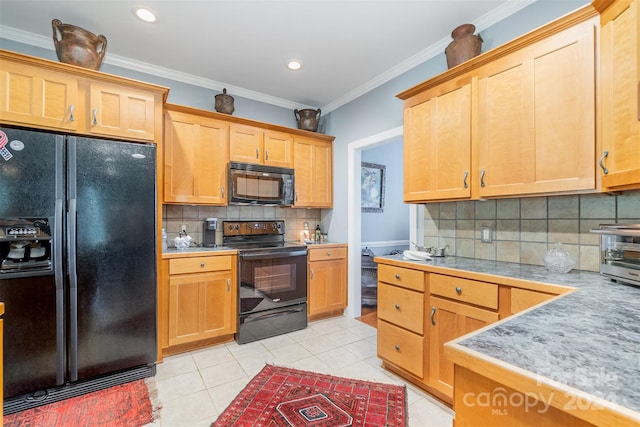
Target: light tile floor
194 388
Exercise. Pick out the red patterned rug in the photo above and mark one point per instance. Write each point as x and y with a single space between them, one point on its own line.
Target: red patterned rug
278 397
125 405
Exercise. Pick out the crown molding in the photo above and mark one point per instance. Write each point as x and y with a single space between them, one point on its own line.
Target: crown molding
485 21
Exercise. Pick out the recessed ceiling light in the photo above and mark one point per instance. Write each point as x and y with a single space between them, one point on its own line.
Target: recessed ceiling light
294 64
145 14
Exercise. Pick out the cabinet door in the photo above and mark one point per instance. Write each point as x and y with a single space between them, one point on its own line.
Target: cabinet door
278 149
327 286
620 88
195 159
536 117
450 320
200 306
121 112
245 144
313 164
43 98
437 150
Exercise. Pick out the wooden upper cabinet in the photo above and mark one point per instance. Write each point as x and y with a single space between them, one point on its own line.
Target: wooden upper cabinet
40 97
536 117
254 145
437 145
121 112
620 93
313 165
195 159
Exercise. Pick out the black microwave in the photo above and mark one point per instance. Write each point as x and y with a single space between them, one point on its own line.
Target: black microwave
252 184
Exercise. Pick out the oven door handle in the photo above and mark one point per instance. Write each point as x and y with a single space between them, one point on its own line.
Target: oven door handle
271 255
617 231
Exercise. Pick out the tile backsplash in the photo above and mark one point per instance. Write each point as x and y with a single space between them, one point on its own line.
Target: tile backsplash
523 229
193 216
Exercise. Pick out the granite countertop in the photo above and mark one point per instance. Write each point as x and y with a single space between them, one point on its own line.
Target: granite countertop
197 250
588 339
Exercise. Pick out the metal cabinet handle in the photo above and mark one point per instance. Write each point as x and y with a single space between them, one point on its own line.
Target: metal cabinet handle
296 196
222 195
482 172
228 285
604 156
266 154
464 179
95 116
257 153
397 276
71 108
328 253
397 347
202 264
397 306
312 273
459 291
433 314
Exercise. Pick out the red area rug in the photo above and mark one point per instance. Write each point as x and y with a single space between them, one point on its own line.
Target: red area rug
125 405
288 397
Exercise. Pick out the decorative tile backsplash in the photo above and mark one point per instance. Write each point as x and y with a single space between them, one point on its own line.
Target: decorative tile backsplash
173 216
523 229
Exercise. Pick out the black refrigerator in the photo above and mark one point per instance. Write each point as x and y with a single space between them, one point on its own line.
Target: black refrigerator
77 264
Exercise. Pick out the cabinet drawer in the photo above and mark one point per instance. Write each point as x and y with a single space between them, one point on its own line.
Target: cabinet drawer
401 347
471 291
199 264
402 307
319 254
405 277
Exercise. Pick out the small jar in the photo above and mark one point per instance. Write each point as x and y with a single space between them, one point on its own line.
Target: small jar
558 260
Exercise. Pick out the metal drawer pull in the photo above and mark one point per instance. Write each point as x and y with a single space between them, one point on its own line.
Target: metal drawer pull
228 285
459 291
397 347
266 154
433 313
222 195
482 172
95 116
397 306
397 276
71 107
202 264
464 179
312 273
328 253
604 156
257 154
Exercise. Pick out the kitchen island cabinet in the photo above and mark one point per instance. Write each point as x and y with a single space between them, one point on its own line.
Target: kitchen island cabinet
550 364
327 280
620 93
198 299
422 306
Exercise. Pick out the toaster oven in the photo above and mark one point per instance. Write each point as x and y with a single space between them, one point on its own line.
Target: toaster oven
620 252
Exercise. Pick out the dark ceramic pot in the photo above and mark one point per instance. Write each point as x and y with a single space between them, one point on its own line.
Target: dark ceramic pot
224 102
308 119
465 45
77 46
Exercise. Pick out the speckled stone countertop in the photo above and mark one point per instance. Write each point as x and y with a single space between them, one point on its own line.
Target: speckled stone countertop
588 339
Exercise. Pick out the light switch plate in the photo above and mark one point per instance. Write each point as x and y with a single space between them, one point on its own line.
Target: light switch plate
486 234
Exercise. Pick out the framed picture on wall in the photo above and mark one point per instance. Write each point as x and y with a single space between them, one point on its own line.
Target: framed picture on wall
372 178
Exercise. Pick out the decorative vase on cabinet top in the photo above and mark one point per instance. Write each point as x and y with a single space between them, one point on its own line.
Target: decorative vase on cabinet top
77 46
307 119
224 102
465 45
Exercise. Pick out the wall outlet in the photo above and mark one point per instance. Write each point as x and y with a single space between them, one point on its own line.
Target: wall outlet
183 228
305 225
486 234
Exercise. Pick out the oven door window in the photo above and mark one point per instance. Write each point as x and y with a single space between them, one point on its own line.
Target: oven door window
272 282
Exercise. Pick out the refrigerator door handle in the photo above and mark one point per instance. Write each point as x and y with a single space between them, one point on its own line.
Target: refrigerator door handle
59 281
72 257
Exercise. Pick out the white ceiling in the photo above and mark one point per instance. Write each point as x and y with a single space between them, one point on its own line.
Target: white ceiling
347 46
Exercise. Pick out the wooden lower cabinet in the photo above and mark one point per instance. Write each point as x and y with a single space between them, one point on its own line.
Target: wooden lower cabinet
199 299
401 347
522 299
327 281
449 320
